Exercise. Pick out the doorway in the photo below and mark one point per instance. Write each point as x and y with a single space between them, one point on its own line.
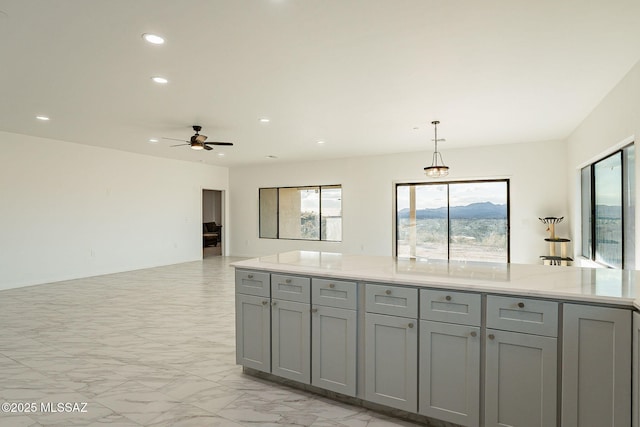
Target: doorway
212 223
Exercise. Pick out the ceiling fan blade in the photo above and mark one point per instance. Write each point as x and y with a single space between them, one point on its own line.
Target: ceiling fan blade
206 147
219 143
179 145
174 139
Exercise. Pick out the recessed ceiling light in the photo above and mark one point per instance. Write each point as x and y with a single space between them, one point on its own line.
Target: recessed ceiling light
321 142
153 38
264 120
271 157
43 118
160 80
153 140
220 154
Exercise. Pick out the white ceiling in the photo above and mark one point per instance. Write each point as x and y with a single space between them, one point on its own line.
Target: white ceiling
358 74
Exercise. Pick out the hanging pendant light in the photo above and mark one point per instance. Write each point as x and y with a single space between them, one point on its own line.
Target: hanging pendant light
436 170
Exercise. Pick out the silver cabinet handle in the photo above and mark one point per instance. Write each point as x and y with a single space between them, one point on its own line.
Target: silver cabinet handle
314 310
331 285
448 297
388 292
287 281
250 276
410 325
521 304
265 302
491 336
473 334
273 303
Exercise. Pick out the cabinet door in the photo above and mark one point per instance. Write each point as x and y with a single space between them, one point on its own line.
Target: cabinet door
391 361
596 366
290 338
462 308
521 380
529 316
291 288
253 332
333 349
334 293
253 283
391 300
450 372
635 380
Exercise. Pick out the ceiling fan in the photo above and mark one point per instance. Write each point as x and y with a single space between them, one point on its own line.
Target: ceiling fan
197 141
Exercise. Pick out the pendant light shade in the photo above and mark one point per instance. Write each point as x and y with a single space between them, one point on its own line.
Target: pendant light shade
437 168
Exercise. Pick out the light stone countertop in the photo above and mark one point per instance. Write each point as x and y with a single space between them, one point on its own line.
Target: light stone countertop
603 286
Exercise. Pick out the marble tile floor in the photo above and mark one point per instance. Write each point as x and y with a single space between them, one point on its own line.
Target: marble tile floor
152 347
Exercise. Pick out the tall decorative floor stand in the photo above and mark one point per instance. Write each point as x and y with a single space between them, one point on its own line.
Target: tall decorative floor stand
553 258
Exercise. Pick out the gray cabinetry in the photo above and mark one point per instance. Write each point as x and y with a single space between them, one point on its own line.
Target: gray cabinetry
334 349
291 328
450 356
538 317
253 325
521 379
391 300
596 360
334 335
334 293
452 307
290 288
391 361
253 320
391 346
463 361
250 282
290 340
450 372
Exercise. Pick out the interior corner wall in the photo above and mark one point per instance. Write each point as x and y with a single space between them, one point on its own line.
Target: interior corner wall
217 208
208 205
615 121
212 206
537 173
70 210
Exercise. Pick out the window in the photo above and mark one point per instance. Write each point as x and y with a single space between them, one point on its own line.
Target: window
467 221
301 213
608 209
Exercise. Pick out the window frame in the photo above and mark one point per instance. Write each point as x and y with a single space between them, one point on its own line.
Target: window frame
624 189
447 183
277 213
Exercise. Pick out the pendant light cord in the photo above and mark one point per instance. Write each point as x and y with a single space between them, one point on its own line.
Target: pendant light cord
436 153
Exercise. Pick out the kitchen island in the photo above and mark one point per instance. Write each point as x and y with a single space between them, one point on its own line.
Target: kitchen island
474 344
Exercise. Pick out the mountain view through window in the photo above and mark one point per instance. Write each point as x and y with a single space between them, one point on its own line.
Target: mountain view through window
466 221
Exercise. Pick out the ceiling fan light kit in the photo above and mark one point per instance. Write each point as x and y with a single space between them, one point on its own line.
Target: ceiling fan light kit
436 170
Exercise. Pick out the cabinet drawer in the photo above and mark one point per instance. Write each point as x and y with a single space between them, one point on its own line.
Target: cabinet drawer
392 300
523 315
452 307
252 283
334 293
290 288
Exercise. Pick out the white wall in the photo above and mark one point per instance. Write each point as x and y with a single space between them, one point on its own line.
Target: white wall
69 210
614 122
538 188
